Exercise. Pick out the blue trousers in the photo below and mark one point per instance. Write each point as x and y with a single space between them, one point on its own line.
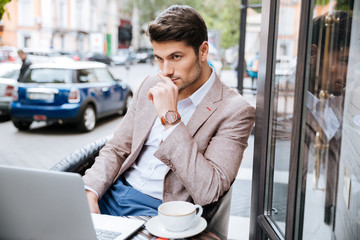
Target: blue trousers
121 199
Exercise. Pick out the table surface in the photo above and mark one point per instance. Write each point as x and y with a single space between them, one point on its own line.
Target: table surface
143 234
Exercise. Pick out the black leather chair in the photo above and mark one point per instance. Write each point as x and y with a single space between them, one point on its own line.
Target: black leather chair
84 158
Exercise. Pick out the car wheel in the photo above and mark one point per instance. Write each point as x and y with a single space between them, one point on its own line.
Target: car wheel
22 125
128 100
88 119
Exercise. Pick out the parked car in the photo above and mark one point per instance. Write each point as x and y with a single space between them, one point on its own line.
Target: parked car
124 57
99 57
144 55
44 55
9 73
76 56
69 92
9 54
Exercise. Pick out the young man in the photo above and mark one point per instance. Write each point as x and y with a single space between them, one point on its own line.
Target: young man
184 134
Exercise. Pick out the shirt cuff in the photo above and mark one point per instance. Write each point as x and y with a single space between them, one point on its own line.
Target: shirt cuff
90 189
168 131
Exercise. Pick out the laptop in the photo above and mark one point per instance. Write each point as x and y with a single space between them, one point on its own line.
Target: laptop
50 205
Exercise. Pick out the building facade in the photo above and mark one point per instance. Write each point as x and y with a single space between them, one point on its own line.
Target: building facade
65 25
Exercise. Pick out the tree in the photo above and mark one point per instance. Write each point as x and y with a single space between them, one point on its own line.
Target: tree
223 16
2 5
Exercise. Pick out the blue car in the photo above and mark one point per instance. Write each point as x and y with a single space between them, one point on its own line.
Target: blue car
68 92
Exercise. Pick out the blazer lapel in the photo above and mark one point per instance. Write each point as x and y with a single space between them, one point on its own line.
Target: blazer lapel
207 106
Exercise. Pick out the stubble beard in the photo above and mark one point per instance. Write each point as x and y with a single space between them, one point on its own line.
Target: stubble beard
194 76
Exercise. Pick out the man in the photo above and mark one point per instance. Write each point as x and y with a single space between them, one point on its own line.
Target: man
25 64
184 134
325 102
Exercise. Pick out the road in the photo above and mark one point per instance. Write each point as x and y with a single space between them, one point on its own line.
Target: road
44 145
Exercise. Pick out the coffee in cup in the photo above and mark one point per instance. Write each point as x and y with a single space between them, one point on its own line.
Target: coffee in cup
177 216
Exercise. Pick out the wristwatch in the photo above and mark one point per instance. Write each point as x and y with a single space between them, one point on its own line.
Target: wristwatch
171 117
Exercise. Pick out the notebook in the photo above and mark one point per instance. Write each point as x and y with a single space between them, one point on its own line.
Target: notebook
50 205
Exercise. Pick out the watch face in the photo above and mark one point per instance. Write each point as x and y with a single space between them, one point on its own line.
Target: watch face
171 117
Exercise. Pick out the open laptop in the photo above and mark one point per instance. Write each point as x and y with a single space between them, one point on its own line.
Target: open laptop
49 205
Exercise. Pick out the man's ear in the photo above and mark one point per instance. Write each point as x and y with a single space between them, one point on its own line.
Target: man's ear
204 51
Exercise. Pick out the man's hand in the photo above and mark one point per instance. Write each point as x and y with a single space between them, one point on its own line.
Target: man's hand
164 96
93 202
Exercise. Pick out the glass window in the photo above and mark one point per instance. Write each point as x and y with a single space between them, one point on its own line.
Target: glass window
49 75
87 76
10 73
26 13
103 75
330 166
282 105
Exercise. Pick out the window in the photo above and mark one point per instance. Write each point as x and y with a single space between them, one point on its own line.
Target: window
87 76
49 75
103 75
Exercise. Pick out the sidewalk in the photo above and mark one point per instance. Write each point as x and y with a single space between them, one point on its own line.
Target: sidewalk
241 195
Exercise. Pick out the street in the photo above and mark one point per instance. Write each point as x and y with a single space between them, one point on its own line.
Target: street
44 145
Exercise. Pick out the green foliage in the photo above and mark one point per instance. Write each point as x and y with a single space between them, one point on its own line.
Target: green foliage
2 9
322 2
218 15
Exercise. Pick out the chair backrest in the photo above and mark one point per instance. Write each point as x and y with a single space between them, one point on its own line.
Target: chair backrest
84 158
219 223
81 159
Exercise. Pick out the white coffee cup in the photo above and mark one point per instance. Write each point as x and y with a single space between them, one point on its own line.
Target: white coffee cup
177 216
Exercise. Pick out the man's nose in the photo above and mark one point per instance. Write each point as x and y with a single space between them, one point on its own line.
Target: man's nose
168 69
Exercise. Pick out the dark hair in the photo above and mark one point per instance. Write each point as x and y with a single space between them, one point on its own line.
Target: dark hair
179 23
341 31
340 38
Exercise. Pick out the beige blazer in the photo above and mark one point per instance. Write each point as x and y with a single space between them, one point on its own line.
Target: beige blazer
203 157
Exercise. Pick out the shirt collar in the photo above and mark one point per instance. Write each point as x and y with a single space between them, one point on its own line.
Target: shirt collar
197 96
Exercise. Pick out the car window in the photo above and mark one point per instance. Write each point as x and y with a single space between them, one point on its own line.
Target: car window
87 76
49 75
103 75
13 74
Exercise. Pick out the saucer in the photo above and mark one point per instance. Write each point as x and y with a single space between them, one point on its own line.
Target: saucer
155 227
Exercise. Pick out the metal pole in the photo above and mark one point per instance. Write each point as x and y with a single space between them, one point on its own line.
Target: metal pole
241 55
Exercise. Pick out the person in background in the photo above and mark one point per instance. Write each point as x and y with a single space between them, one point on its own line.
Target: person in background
184 135
253 69
25 63
325 103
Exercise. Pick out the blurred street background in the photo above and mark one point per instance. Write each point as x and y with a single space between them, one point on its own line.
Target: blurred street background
113 32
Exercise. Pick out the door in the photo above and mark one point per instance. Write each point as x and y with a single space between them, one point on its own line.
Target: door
328 164
308 122
111 89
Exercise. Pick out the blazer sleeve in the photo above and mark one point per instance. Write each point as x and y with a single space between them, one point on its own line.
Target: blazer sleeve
112 156
208 162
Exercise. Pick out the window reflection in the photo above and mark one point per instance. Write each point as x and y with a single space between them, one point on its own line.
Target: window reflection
324 117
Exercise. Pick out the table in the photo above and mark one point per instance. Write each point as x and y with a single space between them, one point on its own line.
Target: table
143 234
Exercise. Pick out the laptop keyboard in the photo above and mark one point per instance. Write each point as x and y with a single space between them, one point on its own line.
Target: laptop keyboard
106 234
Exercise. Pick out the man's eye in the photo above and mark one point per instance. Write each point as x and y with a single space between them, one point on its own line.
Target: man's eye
344 60
176 57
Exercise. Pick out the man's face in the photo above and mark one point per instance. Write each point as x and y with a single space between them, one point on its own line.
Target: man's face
179 62
22 56
338 71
